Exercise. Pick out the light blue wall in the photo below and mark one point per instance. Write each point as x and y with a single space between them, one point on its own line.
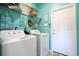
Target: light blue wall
11 19
77 23
34 5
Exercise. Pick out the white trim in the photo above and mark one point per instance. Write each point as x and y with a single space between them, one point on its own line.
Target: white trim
66 6
75 27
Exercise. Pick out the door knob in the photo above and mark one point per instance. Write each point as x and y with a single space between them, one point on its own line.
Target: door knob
53 33
53 30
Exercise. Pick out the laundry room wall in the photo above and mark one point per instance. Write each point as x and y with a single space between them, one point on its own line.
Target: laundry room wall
77 23
11 19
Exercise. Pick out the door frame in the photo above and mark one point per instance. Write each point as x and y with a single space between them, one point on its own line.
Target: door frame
66 6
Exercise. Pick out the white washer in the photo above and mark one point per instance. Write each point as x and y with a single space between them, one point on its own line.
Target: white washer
42 43
16 43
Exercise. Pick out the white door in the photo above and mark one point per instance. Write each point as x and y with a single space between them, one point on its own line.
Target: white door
64 31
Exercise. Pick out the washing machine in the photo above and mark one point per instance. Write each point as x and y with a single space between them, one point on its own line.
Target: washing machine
16 43
42 42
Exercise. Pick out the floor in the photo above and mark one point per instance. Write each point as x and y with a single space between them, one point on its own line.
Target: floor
54 54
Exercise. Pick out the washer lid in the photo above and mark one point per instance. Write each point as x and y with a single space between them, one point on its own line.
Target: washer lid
17 39
42 34
11 40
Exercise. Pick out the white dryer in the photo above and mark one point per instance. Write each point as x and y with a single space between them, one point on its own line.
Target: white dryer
16 43
42 42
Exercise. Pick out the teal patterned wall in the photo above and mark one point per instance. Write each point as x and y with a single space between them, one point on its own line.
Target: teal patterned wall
9 19
77 23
